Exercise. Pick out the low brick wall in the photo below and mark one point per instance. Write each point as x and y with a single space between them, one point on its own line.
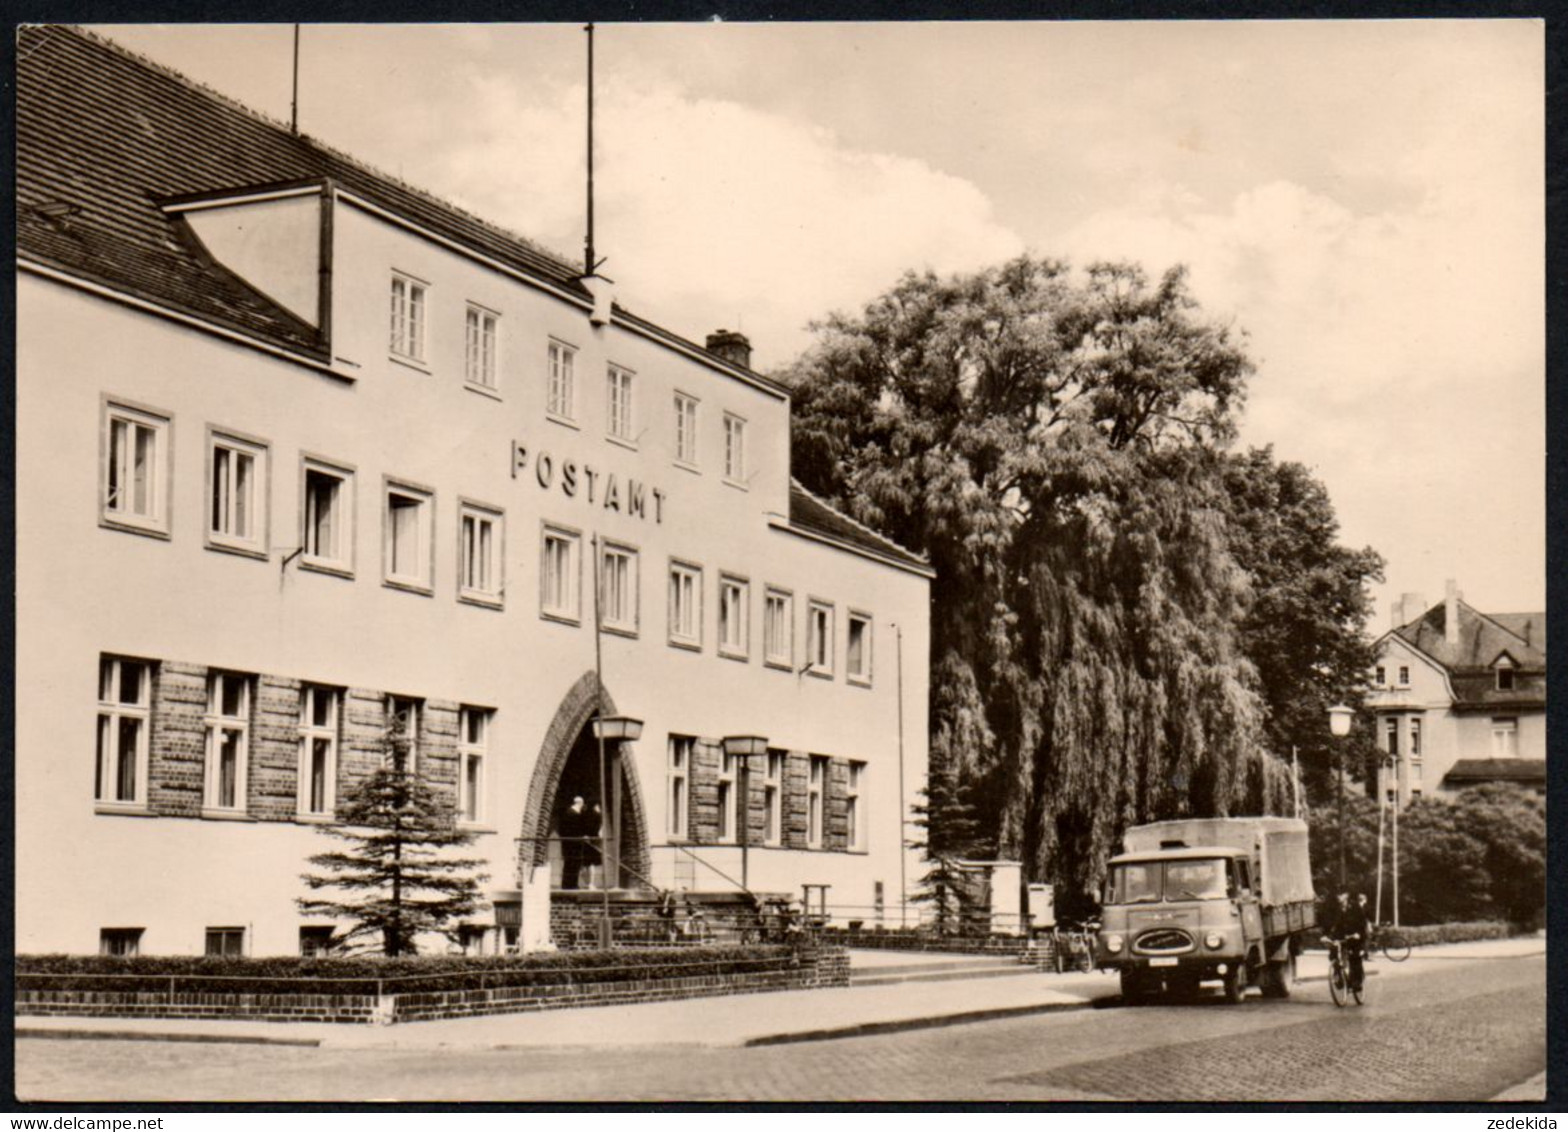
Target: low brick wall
808 968
910 941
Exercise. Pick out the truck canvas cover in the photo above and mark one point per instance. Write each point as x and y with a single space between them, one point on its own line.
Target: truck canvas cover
1278 847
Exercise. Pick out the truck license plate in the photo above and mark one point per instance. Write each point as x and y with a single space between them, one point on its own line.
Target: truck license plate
1162 962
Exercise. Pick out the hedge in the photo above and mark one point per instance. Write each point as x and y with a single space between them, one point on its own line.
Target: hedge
333 975
1420 935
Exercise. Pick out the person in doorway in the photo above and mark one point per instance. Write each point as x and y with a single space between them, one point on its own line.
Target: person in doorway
574 832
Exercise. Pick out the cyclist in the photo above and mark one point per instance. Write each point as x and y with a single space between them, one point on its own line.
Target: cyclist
1348 926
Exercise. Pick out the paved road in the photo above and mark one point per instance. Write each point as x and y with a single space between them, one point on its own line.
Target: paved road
1461 1032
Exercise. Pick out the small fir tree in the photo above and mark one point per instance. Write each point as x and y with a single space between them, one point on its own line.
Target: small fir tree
397 879
950 832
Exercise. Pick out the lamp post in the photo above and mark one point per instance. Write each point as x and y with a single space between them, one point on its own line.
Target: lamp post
745 748
609 729
1339 717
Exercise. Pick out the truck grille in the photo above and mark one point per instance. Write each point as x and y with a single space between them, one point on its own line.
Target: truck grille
1163 941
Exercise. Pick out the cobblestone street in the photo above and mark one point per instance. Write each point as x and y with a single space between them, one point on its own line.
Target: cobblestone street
1460 1031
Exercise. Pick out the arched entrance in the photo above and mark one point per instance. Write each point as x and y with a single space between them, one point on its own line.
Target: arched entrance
568 766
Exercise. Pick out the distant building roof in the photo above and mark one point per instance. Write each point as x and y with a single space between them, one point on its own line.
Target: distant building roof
811 513
1471 660
1469 772
104 138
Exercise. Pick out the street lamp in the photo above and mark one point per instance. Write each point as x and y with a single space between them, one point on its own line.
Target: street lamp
745 748
611 729
1339 717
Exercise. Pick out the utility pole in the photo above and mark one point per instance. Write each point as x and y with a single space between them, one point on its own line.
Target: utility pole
589 264
294 99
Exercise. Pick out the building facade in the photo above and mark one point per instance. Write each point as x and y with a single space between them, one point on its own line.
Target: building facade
306 456
1459 698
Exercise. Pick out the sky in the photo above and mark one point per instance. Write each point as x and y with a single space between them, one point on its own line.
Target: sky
1363 200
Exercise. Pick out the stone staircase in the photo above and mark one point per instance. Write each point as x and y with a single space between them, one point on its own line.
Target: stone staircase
880 968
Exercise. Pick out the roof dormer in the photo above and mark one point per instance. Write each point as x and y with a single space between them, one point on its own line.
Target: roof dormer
1504 667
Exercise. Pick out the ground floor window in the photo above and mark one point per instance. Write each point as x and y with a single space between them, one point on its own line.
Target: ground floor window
314 939
224 942
122 942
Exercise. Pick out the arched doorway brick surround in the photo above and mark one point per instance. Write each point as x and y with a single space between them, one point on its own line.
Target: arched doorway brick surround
570 718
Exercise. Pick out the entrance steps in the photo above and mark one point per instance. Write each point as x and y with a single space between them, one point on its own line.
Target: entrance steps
869 969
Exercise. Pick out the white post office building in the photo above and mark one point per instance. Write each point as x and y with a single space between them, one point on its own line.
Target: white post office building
301 450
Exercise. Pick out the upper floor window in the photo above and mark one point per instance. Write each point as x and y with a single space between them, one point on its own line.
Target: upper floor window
819 638
135 469
682 747
773 799
1505 738
559 571
778 628
734 448
318 751
473 728
685 605
236 493
402 731
327 513
1380 676
228 735
854 812
561 396
124 715
408 546
408 318
618 403
686 429
1404 676
1415 737
1391 730
1505 674
479 554
618 592
857 651
734 619
479 365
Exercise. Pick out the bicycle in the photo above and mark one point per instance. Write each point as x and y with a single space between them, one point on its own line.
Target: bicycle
1074 949
1393 945
1339 975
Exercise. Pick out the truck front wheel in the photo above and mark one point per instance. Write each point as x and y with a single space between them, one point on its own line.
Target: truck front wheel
1235 984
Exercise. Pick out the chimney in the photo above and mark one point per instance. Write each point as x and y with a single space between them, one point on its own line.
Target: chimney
1451 613
602 291
733 347
1408 608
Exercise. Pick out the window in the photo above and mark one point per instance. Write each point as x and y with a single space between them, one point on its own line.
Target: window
1505 675
1415 738
1380 676
734 622
408 318
1391 731
124 711
135 470
228 735
773 800
479 367
726 798
222 942
471 938
559 575
855 833
561 400
685 429
857 653
318 751
817 776
1415 775
473 745
236 494
316 940
734 449
1404 676
819 641
402 729
328 538
682 747
685 605
618 595
407 547
778 628
618 400
479 554
1505 738
120 942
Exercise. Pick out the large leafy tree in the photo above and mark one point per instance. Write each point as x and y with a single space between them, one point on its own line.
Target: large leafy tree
398 877
1056 446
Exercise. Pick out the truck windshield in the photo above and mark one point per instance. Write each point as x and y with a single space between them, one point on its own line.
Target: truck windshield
1148 882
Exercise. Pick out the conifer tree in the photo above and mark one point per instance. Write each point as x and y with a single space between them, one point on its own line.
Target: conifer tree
397 877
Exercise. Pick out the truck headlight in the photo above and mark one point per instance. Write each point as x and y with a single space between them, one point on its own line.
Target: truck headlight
1113 943
1214 941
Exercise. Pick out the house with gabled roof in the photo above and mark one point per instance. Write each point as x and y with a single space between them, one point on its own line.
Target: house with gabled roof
310 461
1459 698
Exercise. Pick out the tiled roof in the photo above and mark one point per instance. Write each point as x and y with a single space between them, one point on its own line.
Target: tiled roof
810 513
1482 638
1496 770
112 136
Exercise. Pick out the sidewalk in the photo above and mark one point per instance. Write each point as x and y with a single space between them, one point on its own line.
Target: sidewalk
732 1020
